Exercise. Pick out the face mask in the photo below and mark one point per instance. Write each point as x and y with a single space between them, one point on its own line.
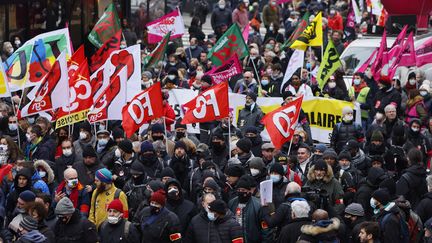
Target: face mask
211 216
154 209
28 136
172 63
308 65
83 135
275 178
63 219
372 203
265 82
180 135
117 153
193 47
348 118
271 28
412 81
13 127
72 183
415 129
345 167
31 120
254 172
102 127
221 6
3 147
253 57
102 141
17 42
357 81
113 220
155 138
423 93
244 197
42 174
285 167
171 77
172 193
67 152
331 85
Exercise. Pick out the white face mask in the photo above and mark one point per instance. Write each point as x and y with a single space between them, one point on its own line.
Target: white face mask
412 81
113 220
415 129
331 85
102 127
357 81
171 77
13 126
254 171
67 152
117 153
72 183
102 141
3 147
423 92
42 174
221 6
83 135
348 118
28 136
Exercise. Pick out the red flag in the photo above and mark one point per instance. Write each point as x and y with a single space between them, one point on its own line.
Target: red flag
405 57
381 58
144 107
74 62
109 104
365 65
210 105
99 58
281 123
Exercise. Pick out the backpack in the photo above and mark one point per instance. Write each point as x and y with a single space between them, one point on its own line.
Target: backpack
126 228
116 196
415 227
403 226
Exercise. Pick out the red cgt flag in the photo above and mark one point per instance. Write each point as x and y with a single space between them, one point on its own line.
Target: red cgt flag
99 58
210 105
281 122
144 107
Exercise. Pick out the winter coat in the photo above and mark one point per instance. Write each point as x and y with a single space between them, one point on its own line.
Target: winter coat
163 227
77 230
279 191
115 233
152 166
61 164
137 195
86 174
390 229
39 184
38 151
412 184
321 231
46 231
249 118
291 232
50 173
100 201
343 132
335 22
222 230
270 15
12 197
221 17
386 97
181 167
33 236
240 17
252 220
78 195
79 145
423 209
282 216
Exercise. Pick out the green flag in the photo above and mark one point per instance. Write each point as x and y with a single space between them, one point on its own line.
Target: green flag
158 53
301 26
231 42
106 27
329 64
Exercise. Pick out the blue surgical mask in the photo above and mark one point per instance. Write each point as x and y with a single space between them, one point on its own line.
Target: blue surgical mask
275 178
103 141
357 81
265 82
211 216
308 65
285 167
372 203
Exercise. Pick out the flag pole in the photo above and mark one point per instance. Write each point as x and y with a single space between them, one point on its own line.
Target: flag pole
258 78
18 132
229 136
289 148
165 131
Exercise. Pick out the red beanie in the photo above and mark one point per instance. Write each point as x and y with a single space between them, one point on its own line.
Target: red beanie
116 204
159 197
385 79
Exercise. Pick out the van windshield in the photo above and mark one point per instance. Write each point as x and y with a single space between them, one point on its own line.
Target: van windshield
354 57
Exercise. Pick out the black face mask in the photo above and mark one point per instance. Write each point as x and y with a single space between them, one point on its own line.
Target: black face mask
180 135
156 138
253 140
63 219
244 196
218 146
148 158
154 210
173 194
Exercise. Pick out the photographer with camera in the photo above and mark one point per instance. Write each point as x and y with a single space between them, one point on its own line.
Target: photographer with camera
329 190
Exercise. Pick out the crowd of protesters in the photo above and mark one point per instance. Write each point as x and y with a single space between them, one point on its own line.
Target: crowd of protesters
89 183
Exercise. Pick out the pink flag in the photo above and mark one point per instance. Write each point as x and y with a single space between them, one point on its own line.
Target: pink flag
228 69
408 54
397 45
283 1
245 33
424 53
159 28
365 65
381 58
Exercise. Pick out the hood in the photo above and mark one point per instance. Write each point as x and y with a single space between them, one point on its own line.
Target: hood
34 236
47 168
327 178
417 170
321 227
175 182
26 172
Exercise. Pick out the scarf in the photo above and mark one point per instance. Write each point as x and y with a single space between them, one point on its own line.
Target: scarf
74 192
31 148
358 88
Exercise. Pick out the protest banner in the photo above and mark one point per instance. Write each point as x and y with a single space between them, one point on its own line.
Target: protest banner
172 22
229 69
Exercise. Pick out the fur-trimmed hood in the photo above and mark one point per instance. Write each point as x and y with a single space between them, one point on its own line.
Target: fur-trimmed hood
327 178
45 165
321 227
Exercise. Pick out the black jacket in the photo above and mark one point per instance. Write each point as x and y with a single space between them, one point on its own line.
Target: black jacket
222 230
160 227
86 174
412 184
115 233
384 98
343 132
77 230
390 229
61 165
291 232
424 209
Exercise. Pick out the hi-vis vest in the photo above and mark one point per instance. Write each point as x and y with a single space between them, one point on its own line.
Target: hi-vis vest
361 98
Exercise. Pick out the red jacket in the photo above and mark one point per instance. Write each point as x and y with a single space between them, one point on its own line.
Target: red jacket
335 22
169 116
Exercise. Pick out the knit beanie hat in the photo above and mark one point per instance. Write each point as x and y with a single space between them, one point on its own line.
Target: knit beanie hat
234 170
28 223
246 182
321 147
257 163
167 172
352 144
344 155
137 168
211 184
374 176
320 165
126 146
118 133
156 185
27 196
218 206
355 209
244 144
377 136
159 197
116 204
180 144
147 146
252 95
278 168
179 125
88 151
64 206
382 196
329 153
104 175
155 128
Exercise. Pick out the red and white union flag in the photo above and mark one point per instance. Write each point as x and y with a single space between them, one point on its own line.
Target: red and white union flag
160 27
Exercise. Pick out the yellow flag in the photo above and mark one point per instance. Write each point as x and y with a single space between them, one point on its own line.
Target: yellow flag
329 64
4 87
311 36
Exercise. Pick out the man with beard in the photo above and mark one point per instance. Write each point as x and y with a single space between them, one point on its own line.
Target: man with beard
243 151
254 136
87 168
180 162
71 187
176 203
71 227
377 145
248 212
152 165
219 150
136 188
105 192
159 224
67 159
251 115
